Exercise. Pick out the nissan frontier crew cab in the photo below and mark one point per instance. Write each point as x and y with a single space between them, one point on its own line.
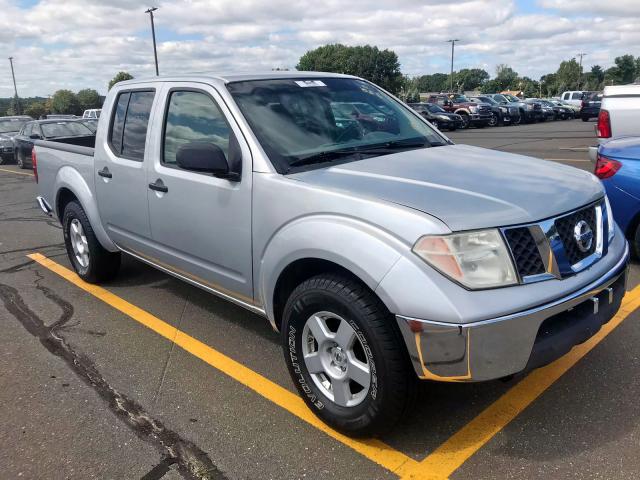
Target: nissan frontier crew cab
379 249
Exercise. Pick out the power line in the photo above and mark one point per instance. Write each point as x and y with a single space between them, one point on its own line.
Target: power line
582 54
153 34
15 89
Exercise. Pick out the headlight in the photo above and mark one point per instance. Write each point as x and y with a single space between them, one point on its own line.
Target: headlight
612 224
477 259
473 108
442 117
504 109
529 106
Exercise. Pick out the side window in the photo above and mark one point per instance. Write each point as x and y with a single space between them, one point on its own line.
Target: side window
440 100
565 96
117 123
26 131
576 96
135 125
128 132
193 117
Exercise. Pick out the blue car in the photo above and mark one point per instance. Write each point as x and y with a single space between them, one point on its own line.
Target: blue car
618 166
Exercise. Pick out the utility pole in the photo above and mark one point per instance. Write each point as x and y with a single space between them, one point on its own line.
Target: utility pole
153 34
453 44
582 54
15 89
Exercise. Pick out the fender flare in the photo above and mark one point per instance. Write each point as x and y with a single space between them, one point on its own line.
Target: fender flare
462 111
363 249
69 178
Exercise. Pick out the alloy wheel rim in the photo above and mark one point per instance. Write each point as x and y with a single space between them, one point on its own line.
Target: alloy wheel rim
79 243
335 358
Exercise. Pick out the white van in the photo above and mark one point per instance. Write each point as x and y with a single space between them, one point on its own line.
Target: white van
92 113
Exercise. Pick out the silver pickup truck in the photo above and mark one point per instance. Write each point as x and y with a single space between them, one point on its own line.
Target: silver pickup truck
379 249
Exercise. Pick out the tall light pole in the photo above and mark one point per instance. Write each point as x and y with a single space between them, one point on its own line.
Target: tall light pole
153 34
581 54
453 45
15 89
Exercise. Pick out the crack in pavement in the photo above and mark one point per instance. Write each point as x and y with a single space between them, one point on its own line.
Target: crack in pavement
192 462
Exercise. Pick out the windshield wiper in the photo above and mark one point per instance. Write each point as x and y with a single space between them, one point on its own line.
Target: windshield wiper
375 149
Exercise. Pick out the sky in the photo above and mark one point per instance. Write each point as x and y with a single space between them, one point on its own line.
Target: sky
79 44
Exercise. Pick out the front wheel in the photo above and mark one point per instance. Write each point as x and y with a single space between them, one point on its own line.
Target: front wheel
346 355
20 160
585 118
90 260
466 121
493 121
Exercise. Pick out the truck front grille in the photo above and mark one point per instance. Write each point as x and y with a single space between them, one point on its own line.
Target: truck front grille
558 247
525 251
565 227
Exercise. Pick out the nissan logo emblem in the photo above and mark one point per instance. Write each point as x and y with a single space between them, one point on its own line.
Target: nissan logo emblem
584 235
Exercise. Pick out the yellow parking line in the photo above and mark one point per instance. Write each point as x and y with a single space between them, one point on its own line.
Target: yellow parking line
374 450
17 173
449 456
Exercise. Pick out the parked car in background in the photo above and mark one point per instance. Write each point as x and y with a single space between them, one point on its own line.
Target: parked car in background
590 106
473 114
573 96
529 112
619 112
571 110
9 128
618 166
379 256
501 114
548 112
438 117
58 116
71 132
560 111
92 113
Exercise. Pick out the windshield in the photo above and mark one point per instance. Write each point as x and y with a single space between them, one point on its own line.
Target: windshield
64 129
12 125
302 122
458 98
511 98
487 100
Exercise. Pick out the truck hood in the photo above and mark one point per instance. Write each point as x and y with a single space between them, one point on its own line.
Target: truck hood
465 187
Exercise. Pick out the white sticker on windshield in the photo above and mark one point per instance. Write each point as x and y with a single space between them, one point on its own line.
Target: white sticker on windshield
310 83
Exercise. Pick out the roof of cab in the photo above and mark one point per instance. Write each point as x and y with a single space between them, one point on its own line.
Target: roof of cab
235 77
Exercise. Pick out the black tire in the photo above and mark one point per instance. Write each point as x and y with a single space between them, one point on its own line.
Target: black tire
4 159
20 160
393 381
103 265
585 118
634 242
466 121
517 120
494 120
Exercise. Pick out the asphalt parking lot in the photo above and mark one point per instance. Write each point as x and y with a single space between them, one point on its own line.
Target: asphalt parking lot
148 377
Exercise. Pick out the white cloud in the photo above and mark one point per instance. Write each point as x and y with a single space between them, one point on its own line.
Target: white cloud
83 43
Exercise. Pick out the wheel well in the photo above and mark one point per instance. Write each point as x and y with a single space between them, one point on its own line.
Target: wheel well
296 273
64 197
631 228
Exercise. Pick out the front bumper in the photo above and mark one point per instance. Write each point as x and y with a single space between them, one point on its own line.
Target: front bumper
6 149
502 346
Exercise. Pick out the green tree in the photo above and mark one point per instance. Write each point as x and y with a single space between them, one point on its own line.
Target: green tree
491 86
506 76
437 82
65 101
548 85
594 78
626 69
378 66
120 77
36 109
88 98
470 79
568 75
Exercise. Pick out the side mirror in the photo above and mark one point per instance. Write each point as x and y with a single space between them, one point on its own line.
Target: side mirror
34 136
206 158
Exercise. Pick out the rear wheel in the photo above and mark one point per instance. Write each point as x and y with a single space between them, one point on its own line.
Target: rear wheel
89 259
346 355
635 243
585 118
20 160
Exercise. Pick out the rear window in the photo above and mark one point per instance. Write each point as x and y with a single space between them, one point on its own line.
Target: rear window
128 132
64 129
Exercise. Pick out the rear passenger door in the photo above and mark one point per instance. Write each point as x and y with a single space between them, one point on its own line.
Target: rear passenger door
201 224
120 174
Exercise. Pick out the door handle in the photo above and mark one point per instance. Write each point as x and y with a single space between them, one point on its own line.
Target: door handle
105 173
158 186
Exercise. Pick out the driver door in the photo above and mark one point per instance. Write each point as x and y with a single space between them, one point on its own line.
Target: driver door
201 224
